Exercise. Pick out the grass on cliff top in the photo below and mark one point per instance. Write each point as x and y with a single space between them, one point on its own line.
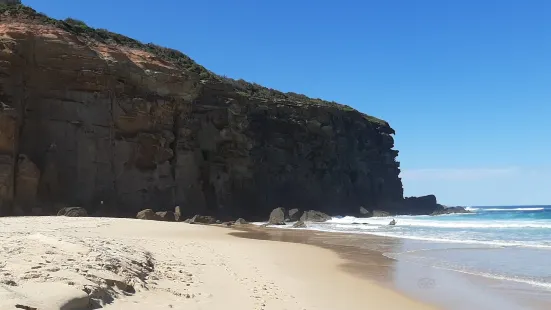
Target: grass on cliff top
179 59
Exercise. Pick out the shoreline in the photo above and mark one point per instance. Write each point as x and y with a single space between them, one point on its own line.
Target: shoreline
432 285
136 264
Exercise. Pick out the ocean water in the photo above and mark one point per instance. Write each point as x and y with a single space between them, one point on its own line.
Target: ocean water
510 243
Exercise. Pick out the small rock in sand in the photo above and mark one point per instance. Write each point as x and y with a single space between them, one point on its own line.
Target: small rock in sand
202 219
73 212
147 214
167 216
299 224
25 307
240 221
178 214
314 216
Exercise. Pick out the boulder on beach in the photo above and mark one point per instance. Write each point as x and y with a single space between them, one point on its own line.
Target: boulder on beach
73 212
240 221
314 216
178 214
299 224
167 216
202 219
294 215
147 214
392 223
277 217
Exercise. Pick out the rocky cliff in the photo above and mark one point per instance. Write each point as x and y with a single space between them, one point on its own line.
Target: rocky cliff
10 2
89 116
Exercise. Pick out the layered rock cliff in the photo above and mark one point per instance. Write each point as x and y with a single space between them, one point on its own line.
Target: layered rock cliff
89 116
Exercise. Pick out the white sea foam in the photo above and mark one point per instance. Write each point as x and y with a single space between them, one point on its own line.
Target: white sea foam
424 221
515 209
498 230
404 235
544 285
473 209
498 243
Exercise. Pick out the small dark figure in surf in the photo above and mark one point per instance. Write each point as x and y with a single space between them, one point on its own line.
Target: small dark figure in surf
392 223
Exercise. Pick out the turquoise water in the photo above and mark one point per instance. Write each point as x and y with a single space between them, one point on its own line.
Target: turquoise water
509 243
501 226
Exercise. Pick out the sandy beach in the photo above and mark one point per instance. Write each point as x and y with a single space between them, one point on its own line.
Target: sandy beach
89 263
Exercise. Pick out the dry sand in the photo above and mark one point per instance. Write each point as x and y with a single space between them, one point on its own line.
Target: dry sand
86 263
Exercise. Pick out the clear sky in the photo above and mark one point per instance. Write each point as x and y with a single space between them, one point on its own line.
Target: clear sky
465 84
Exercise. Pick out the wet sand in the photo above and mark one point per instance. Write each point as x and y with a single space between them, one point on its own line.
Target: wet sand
363 257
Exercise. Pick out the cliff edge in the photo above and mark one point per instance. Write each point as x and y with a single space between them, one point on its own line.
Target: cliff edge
96 119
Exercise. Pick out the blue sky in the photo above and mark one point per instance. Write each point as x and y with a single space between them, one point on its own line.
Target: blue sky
465 84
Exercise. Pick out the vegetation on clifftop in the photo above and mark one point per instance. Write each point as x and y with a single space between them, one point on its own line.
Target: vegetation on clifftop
179 59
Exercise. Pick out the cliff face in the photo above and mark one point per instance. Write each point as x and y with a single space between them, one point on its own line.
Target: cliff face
10 2
86 118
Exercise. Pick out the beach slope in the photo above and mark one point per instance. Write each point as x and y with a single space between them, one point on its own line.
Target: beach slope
69 263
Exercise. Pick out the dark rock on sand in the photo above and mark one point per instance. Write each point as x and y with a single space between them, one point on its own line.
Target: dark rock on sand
202 219
299 224
167 216
314 216
240 221
18 306
178 214
294 215
147 214
73 212
278 216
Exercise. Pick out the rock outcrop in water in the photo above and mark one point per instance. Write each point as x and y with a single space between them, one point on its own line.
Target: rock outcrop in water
90 116
450 210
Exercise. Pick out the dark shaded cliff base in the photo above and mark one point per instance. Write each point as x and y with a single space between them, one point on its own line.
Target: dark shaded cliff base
94 119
